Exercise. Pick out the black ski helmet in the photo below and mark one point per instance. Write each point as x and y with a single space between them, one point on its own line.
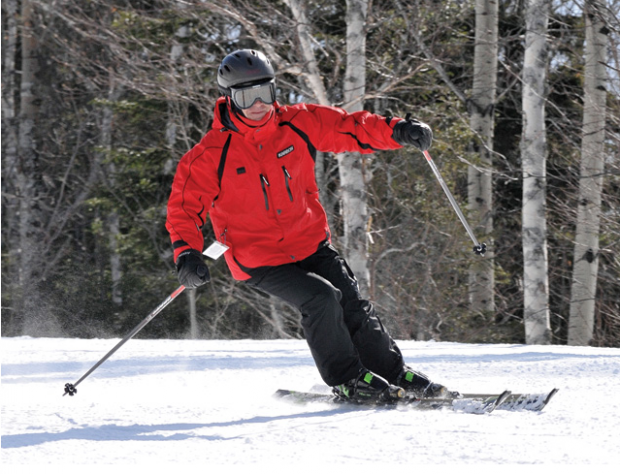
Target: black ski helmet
243 67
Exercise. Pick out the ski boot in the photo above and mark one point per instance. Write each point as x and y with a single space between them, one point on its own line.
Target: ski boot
418 385
368 388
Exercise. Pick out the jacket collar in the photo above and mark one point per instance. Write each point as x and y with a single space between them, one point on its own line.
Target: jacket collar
225 119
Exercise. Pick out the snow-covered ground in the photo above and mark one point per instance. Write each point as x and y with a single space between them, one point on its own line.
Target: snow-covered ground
189 403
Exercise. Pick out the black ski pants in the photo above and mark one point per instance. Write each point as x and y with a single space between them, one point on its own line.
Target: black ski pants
341 328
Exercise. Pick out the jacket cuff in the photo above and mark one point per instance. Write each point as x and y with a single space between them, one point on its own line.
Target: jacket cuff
179 246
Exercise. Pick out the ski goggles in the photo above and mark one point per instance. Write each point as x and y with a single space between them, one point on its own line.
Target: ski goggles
246 97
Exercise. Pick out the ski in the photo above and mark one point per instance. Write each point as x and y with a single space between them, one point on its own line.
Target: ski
466 402
478 404
528 401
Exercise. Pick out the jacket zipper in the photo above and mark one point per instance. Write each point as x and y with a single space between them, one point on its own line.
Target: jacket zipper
287 178
264 184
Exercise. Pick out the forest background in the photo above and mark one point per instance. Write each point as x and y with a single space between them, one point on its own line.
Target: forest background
100 99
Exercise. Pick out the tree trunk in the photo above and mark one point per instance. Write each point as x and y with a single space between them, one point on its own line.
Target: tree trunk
193 320
351 165
586 254
277 321
26 175
312 77
352 182
480 178
113 219
533 157
176 56
9 150
311 72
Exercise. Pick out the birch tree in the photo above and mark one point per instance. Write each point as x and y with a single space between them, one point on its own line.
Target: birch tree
586 253
113 221
26 169
311 75
480 178
351 165
353 199
9 134
533 157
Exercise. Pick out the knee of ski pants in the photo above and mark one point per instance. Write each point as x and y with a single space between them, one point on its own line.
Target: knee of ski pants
325 300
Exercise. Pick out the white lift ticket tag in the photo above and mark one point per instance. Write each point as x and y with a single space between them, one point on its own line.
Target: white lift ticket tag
215 250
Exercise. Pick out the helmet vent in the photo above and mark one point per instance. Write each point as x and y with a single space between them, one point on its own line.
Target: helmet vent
244 67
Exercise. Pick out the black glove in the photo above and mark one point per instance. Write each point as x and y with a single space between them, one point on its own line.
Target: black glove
413 132
192 270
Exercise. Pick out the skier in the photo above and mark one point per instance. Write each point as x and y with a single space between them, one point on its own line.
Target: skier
253 173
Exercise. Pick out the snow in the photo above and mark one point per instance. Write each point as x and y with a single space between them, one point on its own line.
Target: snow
197 403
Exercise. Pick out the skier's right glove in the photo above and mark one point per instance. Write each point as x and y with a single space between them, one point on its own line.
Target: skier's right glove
413 132
192 270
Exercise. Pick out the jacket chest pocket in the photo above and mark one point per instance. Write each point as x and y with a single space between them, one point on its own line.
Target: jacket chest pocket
242 191
287 182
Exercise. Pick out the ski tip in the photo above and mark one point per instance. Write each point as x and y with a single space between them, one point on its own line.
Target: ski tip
551 394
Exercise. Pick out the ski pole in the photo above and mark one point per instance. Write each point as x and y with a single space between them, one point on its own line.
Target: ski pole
479 249
214 251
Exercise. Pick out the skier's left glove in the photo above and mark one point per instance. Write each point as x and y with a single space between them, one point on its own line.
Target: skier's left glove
192 270
413 132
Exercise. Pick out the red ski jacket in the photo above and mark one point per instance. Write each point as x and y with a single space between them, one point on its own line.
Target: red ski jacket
258 185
